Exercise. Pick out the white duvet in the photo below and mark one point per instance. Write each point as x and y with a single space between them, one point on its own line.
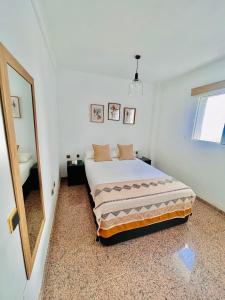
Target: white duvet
119 170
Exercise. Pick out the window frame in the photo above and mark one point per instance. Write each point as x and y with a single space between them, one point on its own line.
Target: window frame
199 96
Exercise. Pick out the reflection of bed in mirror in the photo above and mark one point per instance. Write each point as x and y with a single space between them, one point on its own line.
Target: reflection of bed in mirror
28 173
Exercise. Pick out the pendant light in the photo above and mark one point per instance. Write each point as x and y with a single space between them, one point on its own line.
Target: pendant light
136 85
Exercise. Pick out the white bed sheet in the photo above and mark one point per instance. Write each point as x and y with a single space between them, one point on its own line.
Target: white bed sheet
25 170
118 171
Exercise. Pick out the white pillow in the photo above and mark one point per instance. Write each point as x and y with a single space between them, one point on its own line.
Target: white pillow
24 157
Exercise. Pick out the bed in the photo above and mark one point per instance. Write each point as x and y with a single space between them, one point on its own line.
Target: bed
24 168
131 198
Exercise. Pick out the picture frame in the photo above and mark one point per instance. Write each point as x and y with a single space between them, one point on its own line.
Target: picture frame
97 113
129 115
15 102
114 111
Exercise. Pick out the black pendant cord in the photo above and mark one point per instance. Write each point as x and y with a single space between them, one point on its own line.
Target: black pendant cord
137 57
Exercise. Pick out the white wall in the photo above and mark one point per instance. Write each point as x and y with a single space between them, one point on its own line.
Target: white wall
199 164
76 91
20 33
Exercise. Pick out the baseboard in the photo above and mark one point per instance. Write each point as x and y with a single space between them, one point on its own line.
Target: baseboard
211 205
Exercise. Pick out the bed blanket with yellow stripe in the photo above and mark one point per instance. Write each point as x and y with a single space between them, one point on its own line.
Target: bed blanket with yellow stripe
123 206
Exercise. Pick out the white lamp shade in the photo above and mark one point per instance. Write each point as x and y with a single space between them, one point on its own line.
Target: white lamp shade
136 88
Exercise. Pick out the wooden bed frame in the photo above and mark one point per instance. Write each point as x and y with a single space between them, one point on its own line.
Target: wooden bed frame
137 232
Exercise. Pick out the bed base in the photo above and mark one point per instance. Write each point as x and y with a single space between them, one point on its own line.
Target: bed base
137 232
32 182
27 187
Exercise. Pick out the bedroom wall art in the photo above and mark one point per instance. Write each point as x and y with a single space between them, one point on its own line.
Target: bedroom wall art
97 113
16 107
129 115
114 111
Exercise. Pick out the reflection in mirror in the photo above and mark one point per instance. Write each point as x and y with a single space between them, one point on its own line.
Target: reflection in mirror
23 117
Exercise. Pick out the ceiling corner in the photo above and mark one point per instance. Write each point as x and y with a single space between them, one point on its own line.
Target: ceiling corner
42 26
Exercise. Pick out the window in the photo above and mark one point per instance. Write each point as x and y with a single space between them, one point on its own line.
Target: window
210 118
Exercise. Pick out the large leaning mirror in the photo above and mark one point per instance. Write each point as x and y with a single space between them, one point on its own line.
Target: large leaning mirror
23 120
17 90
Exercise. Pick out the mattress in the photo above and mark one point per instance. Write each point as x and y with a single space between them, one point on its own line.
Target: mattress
24 169
132 194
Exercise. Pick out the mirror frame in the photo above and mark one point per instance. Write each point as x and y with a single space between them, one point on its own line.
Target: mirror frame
6 58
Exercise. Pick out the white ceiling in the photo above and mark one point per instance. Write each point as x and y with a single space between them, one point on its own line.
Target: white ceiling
101 36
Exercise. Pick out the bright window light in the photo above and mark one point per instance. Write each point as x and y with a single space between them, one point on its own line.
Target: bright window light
210 118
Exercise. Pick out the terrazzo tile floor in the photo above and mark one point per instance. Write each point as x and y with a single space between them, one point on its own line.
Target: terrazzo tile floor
34 215
183 262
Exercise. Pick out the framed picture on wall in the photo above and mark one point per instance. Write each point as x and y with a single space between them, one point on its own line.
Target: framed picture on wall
114 111
15 102
129 115
97 113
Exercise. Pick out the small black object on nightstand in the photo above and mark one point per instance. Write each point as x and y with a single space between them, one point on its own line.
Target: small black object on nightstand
146 160
76 173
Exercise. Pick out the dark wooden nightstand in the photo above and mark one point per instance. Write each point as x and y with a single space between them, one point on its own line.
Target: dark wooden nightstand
76 173
146 160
